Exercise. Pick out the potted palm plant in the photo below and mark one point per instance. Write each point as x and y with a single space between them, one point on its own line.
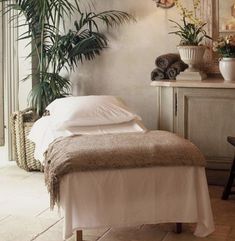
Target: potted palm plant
191 34
55 48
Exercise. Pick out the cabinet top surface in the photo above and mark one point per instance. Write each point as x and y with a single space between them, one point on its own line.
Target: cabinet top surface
208 83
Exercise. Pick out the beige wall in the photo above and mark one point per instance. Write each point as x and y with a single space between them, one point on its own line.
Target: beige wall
124 69
25 67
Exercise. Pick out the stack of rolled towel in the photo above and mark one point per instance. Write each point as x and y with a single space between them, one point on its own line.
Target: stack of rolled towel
168 66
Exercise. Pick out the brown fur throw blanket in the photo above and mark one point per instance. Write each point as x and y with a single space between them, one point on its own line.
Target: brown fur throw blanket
166 60
116 151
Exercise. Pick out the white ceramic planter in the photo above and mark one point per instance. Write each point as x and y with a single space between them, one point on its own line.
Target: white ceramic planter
227 68
193 56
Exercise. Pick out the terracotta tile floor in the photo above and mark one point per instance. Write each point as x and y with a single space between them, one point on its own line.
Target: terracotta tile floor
25 215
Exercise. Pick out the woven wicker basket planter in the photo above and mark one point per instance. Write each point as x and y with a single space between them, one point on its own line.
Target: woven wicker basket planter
22 122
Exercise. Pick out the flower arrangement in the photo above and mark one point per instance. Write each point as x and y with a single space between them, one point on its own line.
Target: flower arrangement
191 32
225 46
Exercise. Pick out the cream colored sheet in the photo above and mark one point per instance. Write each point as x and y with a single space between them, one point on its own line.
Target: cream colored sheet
121 198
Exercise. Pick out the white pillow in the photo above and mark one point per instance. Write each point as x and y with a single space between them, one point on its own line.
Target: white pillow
131 126
89 111
42 134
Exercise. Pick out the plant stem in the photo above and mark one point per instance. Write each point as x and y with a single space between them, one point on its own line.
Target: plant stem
42 41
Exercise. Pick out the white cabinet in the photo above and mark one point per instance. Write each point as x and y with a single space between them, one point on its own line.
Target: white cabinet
202 112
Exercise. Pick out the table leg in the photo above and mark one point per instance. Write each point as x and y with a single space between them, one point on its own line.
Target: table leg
229 185
178 227
78 235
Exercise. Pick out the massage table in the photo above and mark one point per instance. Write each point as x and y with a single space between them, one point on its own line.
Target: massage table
122 197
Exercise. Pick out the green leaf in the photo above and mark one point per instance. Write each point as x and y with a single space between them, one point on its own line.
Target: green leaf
54 48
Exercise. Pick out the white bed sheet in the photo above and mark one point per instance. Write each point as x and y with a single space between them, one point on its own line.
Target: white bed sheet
121 198
43 132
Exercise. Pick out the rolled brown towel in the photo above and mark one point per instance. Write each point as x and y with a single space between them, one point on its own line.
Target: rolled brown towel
165 61
175 69
157 74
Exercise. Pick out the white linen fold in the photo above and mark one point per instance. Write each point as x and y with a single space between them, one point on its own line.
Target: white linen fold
129 197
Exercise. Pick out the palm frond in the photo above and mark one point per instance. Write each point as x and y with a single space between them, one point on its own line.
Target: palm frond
55 49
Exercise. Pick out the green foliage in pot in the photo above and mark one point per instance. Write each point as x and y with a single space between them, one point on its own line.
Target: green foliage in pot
56 49
191 32
225 46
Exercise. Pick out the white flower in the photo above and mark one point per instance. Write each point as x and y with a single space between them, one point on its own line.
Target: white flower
221 44
215 44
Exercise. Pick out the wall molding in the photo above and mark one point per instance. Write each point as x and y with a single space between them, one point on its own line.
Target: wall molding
10 72
2 136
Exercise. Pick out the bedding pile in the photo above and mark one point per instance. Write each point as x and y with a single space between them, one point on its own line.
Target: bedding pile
100 159
82 115
116 151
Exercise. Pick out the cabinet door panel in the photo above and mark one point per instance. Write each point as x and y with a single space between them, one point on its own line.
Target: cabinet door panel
207 117
167 102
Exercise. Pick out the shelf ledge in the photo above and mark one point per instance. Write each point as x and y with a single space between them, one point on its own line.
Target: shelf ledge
208 83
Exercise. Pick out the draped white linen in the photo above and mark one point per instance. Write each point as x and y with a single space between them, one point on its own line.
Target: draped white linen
129 197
